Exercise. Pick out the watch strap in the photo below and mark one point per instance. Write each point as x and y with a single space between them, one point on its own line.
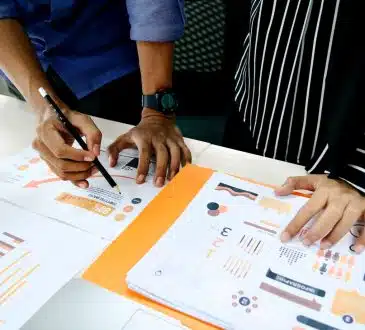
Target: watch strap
150 101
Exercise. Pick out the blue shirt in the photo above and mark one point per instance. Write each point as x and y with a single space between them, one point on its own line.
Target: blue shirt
90 43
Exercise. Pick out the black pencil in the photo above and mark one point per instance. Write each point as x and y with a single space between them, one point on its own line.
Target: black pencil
73 131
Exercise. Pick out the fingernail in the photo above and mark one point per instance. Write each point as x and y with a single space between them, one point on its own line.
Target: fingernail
306 242
88 159
359 248
111 161
325 245
281 189
141 178
160 181
82 185
172 175
285 237
94 170
96 149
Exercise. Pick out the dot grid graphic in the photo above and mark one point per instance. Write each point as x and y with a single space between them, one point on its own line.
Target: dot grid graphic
292 256
202 47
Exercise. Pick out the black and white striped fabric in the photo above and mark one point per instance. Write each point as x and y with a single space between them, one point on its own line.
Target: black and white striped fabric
298 85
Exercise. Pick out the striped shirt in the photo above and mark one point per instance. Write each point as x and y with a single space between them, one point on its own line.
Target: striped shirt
298 85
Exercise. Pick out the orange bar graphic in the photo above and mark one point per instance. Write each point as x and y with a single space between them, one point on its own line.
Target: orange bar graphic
86 204
271 224
6 246
12 292
9 277
14 263
16 239
16 284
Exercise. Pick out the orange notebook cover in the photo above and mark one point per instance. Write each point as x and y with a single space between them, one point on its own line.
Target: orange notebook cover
110 269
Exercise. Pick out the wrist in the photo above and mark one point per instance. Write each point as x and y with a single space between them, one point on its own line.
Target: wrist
44 109
148 113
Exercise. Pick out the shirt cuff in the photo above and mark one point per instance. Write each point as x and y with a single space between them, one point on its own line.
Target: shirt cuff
157 34
355 176
156 20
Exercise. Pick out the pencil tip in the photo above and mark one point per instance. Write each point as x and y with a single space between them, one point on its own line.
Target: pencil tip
118 189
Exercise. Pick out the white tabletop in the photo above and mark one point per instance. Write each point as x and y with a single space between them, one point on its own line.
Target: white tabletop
17 129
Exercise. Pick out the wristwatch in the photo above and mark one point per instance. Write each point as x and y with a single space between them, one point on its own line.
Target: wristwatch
164 101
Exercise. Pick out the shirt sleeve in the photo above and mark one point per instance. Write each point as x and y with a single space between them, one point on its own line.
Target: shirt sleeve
156 20
8 9
354 172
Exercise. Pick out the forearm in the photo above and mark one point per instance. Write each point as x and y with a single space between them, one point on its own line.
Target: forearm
156 65
19 62
155 60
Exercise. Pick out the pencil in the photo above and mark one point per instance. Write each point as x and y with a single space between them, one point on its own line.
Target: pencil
73 131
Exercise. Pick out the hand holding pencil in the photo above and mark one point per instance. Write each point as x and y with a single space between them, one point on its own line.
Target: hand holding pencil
54 143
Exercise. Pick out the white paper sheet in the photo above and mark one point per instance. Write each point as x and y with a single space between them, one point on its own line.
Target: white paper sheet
222 262
37 257
81 305
26 181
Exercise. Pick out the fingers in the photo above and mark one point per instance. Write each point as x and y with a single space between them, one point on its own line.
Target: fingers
307 212
62 165
162 159
360 242
88 128
51 137
175 157
77 178
308 182
123 142
186 154
64 169
325 223
351 214
145 153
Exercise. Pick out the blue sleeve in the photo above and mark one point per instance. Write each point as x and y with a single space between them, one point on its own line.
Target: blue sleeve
8 9
156 20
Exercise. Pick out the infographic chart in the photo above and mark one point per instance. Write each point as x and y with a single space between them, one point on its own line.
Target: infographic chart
226 243
37 257
26 181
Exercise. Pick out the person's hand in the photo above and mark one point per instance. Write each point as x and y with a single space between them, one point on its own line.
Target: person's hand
336 204
54 145
154 134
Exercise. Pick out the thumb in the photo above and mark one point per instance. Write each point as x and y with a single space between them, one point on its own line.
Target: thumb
122 142
88 129
308 182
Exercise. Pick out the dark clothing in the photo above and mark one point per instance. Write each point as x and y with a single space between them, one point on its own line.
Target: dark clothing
119 100
299 86
91 43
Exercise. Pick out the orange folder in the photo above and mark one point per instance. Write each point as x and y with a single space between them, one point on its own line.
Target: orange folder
110 269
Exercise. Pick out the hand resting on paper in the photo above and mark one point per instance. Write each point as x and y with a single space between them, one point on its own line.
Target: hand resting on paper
159 134
337 206
155 133
54 145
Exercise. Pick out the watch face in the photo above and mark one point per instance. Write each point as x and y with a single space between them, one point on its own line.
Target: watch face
168 102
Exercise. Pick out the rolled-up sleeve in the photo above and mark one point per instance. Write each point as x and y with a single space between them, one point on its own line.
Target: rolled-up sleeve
156 20
8 9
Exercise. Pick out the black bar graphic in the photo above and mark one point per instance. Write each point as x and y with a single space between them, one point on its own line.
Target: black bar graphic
314 324
295 284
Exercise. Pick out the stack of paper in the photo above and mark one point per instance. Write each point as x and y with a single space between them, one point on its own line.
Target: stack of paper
37 257
222 262
81 305
27 181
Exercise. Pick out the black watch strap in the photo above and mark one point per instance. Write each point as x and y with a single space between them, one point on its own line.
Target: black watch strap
150 101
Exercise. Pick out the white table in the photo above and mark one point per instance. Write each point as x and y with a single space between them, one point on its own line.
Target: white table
17 128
